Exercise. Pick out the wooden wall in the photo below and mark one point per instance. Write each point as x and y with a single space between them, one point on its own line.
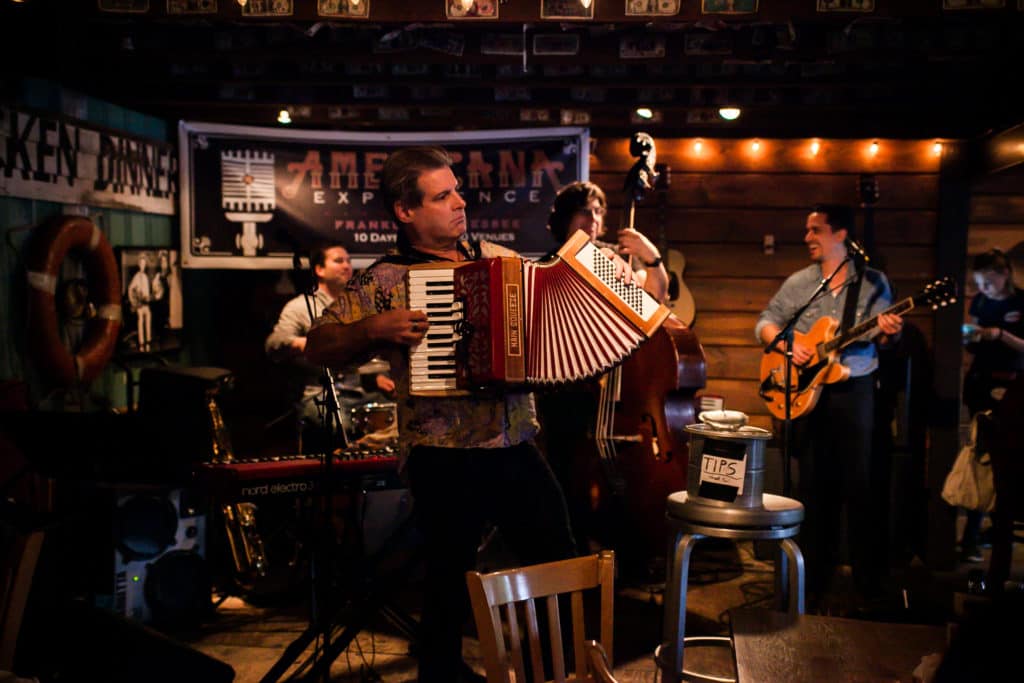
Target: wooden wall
723 201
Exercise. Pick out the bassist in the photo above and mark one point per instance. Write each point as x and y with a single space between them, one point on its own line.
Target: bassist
833 442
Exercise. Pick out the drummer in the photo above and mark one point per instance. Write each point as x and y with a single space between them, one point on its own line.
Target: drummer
355 386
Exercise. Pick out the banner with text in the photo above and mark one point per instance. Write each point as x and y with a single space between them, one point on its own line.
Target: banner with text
253 197
59 159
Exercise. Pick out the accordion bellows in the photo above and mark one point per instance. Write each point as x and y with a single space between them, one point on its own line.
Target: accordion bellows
505 321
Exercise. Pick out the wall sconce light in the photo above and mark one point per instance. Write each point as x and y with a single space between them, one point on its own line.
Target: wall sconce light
284 117
729 113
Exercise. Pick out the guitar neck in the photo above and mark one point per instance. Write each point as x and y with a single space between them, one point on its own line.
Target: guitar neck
867 327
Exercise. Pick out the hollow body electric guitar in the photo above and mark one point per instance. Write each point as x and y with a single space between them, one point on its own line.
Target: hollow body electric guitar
807 380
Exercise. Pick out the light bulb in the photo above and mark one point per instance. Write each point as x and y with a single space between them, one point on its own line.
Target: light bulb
697 146
874 147
729 113
815 148
755 146
585 3
644 112
284 117
937 148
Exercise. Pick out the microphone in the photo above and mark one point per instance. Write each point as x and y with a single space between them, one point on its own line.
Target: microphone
855 250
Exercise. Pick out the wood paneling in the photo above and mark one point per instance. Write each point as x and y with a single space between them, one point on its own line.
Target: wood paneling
735 190
728 225
734 362
997 209
984 236
739 395
714 261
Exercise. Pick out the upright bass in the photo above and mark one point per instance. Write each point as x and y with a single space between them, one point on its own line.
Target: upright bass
636 454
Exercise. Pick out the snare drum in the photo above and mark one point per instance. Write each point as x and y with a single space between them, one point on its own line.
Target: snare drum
370 418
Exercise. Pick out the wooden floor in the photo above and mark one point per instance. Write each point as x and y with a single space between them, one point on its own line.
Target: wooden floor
724 576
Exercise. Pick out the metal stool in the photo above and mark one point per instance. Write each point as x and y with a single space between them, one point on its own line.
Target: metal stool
777 519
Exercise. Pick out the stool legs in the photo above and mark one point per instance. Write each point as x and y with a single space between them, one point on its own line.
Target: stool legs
789 587
676 579
790 569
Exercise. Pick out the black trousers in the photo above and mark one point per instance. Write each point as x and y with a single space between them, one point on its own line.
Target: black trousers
456 492
833 445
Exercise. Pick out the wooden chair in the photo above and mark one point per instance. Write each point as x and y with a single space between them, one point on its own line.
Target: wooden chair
597 659
502 599
16 571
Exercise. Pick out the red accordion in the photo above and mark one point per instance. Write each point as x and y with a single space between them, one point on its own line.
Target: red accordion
509 321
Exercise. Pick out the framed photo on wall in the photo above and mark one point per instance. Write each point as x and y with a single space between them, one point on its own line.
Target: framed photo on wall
349 9
728 6
567 9
471 9
151 299
846 5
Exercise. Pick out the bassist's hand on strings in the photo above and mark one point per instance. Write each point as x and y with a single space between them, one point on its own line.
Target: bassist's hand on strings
622 270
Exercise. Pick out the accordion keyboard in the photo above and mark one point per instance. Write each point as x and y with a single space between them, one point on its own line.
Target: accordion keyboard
432 364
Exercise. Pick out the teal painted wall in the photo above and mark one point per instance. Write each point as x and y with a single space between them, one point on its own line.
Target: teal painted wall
122 228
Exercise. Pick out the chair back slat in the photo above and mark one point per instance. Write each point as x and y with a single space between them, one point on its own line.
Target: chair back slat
578 633
555 636
514 642
533 633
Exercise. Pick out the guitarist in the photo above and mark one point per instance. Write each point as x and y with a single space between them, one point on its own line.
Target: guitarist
833 442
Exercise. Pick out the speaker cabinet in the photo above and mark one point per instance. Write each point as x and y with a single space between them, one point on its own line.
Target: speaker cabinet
160 571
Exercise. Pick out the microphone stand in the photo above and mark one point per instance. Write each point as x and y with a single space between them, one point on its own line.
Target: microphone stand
785 337
331 424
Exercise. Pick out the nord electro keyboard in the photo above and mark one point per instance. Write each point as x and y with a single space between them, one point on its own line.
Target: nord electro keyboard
242 479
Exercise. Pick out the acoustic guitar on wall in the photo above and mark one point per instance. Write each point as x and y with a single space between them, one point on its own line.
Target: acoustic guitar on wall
806 381
680 300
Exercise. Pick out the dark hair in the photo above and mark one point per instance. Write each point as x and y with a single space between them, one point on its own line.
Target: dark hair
318 254
402 170
570 199
840 217
993 259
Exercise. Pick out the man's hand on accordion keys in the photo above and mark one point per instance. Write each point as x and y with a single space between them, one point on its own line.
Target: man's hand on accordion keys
400 326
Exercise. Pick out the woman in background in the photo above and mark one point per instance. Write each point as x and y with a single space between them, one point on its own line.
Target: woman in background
994 334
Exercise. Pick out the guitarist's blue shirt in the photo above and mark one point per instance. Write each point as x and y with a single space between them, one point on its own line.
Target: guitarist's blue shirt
874 297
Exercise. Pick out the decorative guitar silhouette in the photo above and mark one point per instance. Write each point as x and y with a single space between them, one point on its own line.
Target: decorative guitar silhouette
680 300
806 380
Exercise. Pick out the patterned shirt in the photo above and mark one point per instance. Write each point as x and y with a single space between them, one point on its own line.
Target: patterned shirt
486 420
874 297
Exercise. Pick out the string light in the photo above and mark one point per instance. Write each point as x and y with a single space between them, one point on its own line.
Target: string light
873 150
284 117
937 148
815 148
755 146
